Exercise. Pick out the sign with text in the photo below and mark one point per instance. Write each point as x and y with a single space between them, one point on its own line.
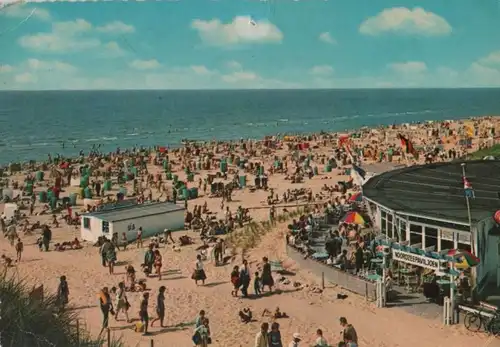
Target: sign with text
415 259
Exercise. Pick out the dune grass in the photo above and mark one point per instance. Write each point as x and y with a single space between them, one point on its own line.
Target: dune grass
249 236
27 321
493 151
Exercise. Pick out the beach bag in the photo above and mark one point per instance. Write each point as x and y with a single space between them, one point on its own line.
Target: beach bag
139 327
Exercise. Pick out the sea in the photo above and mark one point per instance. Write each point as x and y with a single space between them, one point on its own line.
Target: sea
36 123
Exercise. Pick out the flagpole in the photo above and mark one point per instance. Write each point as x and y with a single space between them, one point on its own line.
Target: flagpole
468 214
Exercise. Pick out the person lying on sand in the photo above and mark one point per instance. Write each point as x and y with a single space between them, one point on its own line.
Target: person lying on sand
277 313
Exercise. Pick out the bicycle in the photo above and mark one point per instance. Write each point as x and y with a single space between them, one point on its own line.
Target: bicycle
474 321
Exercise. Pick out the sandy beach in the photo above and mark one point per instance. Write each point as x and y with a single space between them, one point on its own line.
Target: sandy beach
307 310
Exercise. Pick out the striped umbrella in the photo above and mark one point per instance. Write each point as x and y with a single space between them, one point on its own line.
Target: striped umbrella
354 218
358 197
463 259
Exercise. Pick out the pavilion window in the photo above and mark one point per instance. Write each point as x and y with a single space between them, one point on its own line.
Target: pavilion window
383 222
86 222
389 226
464 242
447 240
431 238
402 229
415 234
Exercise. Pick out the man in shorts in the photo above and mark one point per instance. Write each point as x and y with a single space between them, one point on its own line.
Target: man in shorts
167 234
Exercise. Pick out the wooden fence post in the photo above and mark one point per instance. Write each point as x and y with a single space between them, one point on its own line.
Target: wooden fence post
78 331
109 337
323 280
152 343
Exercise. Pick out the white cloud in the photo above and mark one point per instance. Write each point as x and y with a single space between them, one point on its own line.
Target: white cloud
326 37
202 70
233 65
22 11
71 36
64 37
112 50
71 28
116 27
6 68
492 59
401 20
145 64
59 66
25 78
240 31
410 67
321 70
240 76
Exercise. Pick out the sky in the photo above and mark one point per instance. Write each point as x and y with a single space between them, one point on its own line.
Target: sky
252 44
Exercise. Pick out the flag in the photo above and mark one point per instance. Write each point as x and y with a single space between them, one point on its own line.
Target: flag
359 170
358 175
407 145
344 142
469 192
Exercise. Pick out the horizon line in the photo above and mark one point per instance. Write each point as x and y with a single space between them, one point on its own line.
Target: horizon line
244 89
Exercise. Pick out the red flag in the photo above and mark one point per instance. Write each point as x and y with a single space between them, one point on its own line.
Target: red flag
407 145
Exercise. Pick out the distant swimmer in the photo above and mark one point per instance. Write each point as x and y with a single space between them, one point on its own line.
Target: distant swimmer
63 145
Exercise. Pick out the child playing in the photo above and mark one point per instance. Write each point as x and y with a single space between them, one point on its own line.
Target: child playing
235 280
257 284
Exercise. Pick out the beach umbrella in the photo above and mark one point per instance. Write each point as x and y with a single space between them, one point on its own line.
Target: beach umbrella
354 218
463 259
358 197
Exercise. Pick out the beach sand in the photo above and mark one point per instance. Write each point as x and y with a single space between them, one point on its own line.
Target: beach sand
307 311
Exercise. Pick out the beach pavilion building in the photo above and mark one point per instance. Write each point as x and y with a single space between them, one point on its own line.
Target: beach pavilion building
425 209
152 217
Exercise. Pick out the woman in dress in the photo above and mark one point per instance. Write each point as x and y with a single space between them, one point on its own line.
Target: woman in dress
267 276
122 304
199 272
160 307
158 263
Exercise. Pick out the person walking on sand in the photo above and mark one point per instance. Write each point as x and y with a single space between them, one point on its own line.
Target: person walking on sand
111 258
149 259
139 238
262 338
62 292
245 278
160 307
235 280
122 304
106 308
267 276
157 263
199 272
349 334
19 249
106 244
143 313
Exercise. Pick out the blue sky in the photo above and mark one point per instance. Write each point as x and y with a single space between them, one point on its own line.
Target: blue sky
199 44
